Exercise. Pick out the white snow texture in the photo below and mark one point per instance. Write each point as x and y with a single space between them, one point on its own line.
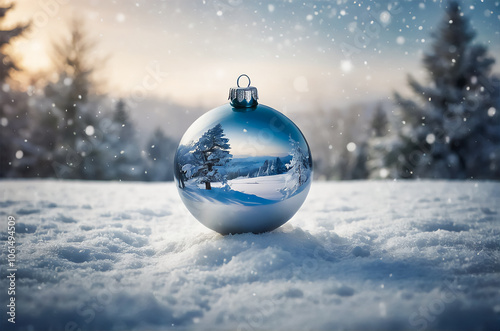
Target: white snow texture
358 255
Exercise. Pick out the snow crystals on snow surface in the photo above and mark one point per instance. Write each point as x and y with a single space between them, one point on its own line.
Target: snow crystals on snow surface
358 255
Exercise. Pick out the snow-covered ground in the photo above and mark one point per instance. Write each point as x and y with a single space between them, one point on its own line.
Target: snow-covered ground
358 255
262 188
267 187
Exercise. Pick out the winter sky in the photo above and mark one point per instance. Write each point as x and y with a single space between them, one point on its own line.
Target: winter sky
257 142
299 54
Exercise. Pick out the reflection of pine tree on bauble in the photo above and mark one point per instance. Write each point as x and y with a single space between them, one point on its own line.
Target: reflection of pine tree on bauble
272 167
298 169
280 166
212 152
264 169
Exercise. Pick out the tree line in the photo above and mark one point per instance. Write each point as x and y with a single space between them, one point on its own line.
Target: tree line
448 128
67 129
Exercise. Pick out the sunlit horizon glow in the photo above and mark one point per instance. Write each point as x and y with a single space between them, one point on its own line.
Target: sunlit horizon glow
298 55
251 144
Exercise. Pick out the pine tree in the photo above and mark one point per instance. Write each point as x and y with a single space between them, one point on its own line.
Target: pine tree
14 118
127 162
76 105
299 168
6 62
184 163
160 151
272 167
115 153
379 123
264 169
359 169
378 150
212 152
40 139
453 131
279 166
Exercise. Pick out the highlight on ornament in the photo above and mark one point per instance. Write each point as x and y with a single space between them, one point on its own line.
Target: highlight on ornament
243 167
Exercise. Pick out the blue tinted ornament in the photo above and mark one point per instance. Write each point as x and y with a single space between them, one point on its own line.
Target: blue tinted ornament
243 167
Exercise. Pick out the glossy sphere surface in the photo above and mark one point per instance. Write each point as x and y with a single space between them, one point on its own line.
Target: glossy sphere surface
243 169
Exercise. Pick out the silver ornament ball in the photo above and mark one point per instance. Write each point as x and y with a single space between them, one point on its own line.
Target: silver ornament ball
243 167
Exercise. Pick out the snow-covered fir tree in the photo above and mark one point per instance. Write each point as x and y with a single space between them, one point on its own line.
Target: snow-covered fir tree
264 169
451 128
184 163
272 167
299 168
212 153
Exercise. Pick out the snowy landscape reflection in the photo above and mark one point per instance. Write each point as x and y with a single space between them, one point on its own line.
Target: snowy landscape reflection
229 178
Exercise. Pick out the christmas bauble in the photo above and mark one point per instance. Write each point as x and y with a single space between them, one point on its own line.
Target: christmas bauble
243 167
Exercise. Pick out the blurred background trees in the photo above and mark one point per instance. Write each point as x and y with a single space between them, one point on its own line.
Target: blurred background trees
68 128
13 116
451 128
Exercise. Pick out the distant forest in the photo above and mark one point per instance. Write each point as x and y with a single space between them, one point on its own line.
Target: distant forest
448 128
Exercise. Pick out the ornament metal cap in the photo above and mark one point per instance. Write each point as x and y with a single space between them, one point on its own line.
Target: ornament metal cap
243 97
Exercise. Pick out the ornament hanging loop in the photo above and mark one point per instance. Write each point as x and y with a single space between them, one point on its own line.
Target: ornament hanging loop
243 75
243 97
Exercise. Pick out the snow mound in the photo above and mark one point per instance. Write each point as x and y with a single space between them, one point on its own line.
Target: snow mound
358 255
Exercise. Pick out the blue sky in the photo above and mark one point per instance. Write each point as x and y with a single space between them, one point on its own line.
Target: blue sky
256 132
300 54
